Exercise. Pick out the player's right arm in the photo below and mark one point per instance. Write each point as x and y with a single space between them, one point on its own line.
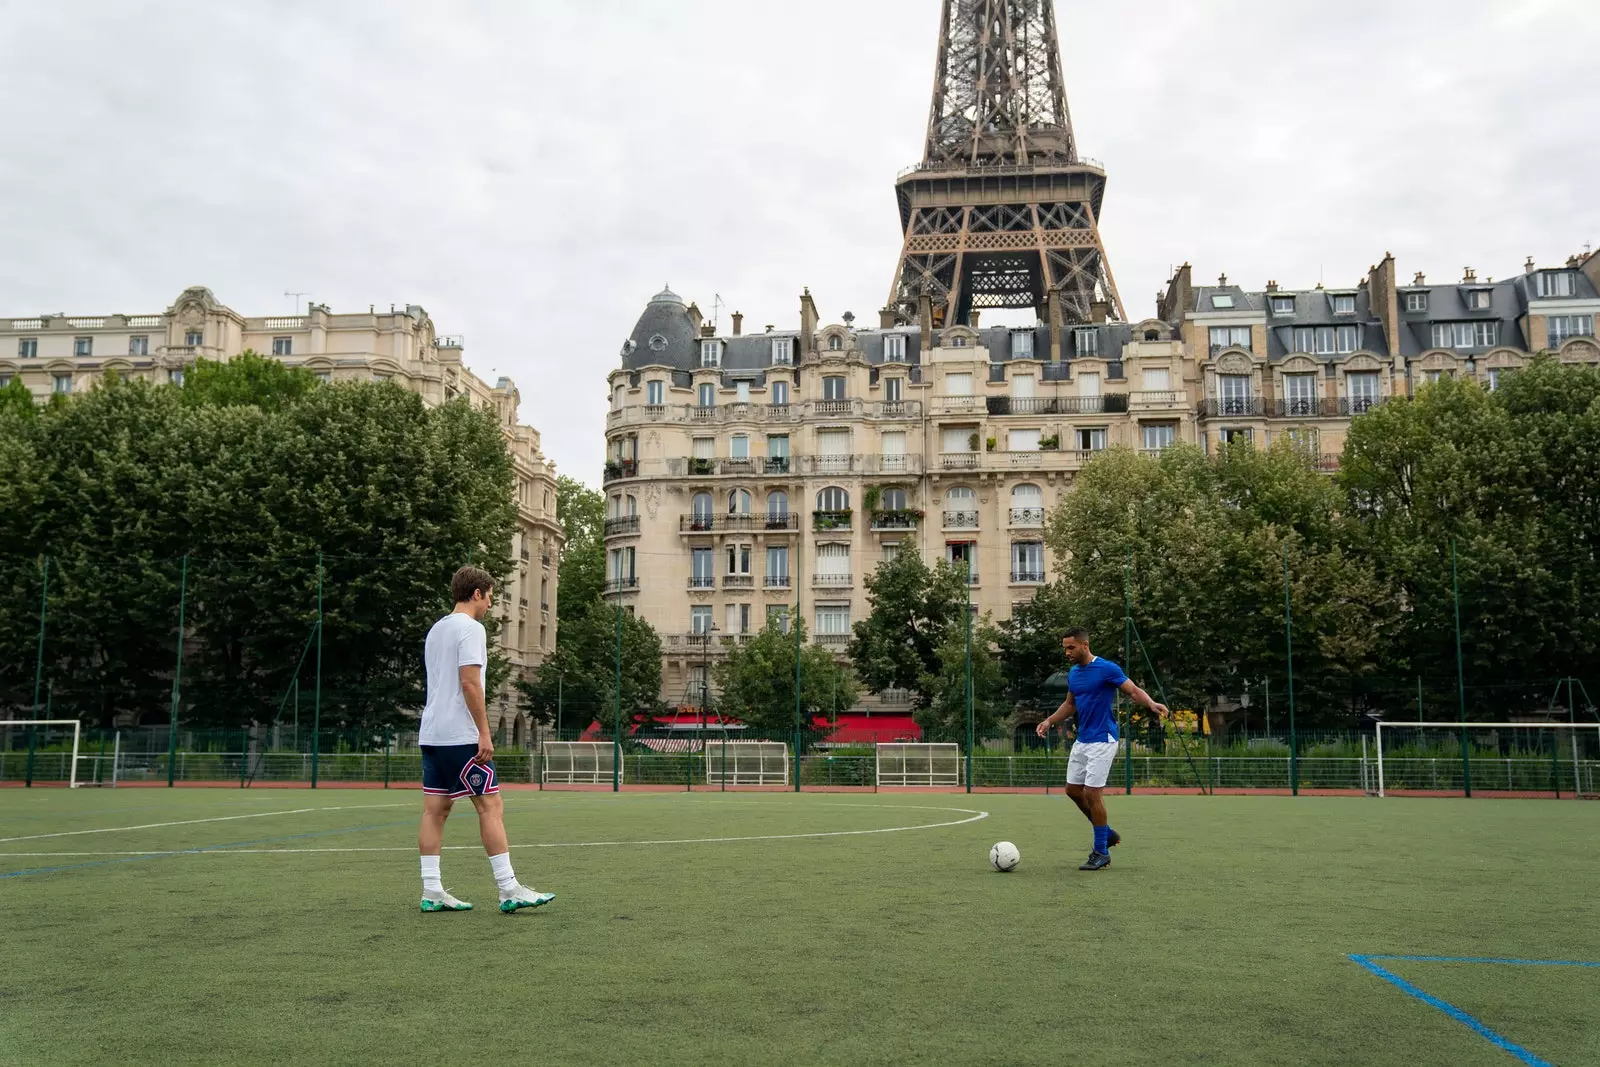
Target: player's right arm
1068 707
472 692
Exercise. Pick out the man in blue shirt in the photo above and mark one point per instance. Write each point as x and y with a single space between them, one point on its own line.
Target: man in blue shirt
1092 685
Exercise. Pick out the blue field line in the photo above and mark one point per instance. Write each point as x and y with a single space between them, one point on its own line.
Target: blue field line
1485 959
156 855
1456 1013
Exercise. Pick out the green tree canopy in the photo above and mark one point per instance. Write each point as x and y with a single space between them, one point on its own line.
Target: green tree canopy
581 510
757 682
914 606
945 715
579 680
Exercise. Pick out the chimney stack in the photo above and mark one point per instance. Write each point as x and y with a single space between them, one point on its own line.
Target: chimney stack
886 318
1527 267
1272 286
738 323
694 316
1418 279
972 318
1222 280
1469 275
1097 311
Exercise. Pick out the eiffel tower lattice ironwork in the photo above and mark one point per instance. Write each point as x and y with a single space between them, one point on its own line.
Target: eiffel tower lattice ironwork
1001 212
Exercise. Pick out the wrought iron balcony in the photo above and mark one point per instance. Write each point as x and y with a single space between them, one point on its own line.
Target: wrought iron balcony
1027 516
832 581
621 585
1304 407
628 524
738 581
895 519
1027 576
776 581
1232 407
961 520
626 468
1359 405
831 520
775 465
702 581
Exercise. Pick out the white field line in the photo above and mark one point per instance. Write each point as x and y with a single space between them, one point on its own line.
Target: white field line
192 822
213 850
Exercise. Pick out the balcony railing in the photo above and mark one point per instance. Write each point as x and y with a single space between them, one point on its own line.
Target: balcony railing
833 463
961 520
896 409
832 581
831 520
895 464
702 413
1156 398
1058 405
1231 407
702 581
831 640
1027 516
895 519
776 581
627 468
741 465
699 522
835 407
628 524
1027 576
738 581
654 412
959 405
1304 407
1359 405
775 465
621 585
706 522
959 461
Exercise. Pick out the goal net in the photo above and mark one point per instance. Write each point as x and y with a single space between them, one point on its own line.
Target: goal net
40 750
747 763
580 762
1497 757
919 764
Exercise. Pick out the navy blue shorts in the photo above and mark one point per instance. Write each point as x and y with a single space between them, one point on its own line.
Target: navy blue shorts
454 771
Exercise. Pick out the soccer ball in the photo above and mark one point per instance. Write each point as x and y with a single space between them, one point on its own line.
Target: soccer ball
1004 856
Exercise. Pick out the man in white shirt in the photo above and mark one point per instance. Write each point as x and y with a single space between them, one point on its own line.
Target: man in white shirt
457 752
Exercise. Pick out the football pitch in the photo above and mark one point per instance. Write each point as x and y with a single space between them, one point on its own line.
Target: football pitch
281 926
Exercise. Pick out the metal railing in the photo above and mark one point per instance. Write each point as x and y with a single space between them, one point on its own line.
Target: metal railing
1231 407
705 522
1027 516
831 520
738 581
895 519
828 580
1303 407
628 524
1027 576
621 585
961 520
702 581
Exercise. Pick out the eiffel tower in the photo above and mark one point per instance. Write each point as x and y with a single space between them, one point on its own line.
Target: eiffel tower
1001 212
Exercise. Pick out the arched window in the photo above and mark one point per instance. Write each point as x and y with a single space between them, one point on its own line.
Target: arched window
1027 505
633 505
777 505
833 499
700 508
894 500
834 343
739 502
962 496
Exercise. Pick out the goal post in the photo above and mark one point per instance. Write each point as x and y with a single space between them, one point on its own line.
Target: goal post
1559 757
747 762
918 764
39 749
580 762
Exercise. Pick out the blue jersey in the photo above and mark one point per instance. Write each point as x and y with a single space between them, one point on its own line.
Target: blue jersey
1094 686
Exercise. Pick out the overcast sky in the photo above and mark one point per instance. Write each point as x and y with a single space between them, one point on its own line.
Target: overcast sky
531 172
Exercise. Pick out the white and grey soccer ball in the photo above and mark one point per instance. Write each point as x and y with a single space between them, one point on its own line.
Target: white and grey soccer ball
1004 856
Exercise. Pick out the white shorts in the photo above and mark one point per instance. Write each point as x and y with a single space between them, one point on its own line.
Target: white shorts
1090 763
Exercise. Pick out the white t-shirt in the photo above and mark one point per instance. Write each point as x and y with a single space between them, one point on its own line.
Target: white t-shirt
455 641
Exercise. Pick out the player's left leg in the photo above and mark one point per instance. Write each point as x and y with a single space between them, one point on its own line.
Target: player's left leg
430 841
491 824
1095 774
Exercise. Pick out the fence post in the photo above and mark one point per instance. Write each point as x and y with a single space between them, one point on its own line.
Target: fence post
1288 637
244 751
316 712
38 669
1461 678
388 743
177 676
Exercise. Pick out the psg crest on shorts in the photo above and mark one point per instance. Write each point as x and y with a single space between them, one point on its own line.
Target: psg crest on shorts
477 777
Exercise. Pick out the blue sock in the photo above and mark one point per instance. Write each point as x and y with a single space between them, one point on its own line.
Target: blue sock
1102 834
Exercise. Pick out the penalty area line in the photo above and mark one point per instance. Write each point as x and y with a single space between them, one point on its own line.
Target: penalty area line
222 850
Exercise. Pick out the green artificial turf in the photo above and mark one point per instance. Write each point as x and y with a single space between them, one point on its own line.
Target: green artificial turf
1220 935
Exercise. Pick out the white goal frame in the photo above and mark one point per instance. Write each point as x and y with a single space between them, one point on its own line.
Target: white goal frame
1577 780
747 762
576 772
77 732
915 763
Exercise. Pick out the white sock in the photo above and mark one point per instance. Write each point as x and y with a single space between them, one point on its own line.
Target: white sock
430 875
501 866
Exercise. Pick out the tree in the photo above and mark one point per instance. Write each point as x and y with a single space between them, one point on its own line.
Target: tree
913 608
1029 645
581 510
945 716
248 379
757 683
579 680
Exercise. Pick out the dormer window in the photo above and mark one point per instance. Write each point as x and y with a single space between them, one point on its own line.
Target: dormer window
958 341
1086 342
835 343
711 353
1555 283
1478 300
1344 304
1222 301
894 348
1283 305
782 351
1022 344
1416 301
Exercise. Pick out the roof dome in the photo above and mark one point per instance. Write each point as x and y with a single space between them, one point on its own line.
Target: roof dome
664 335
667 296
